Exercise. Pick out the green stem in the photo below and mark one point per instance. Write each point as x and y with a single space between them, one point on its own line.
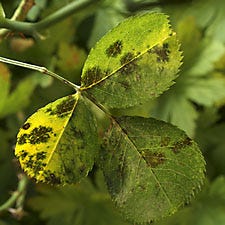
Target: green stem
32 28
40 69
21 190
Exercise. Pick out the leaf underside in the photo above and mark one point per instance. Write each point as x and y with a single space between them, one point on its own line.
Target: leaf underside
134 62
151 167
58 143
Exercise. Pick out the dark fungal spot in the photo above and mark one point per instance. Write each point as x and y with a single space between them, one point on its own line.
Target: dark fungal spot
48 110
153 159
127 58
64 108
39 135
41 155
23 154
53 179
26 126
128 63
22 139
114 49
165 141
178 146
94 75
30 162
161 52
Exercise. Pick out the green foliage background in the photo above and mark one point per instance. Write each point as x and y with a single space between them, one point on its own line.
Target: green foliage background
196 104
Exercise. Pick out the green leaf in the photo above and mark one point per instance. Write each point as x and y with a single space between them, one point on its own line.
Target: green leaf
20 97
208 209
174 107
2 12
207 91
58 143
151 167
212 52
105 19
82 204
137 60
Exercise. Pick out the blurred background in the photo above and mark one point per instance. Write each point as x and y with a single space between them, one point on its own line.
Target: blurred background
196 103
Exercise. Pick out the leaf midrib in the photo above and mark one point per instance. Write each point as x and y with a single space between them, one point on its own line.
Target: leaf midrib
135 147
60 135
120 67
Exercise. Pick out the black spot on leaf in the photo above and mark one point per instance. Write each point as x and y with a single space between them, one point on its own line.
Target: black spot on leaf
39 135
22 139
41 155
51 178
153 159
128 63
165 141
178 146
64 108
26 126
114 49
94 75
22 155
161 52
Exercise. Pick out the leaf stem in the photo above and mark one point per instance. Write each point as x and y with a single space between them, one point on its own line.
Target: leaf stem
18 194
40 69
33 28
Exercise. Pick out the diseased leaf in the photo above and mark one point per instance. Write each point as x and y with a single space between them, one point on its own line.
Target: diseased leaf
151 167
58 143
137 60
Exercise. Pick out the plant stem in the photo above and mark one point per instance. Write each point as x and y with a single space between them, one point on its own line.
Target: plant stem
21 190
32 28
40 69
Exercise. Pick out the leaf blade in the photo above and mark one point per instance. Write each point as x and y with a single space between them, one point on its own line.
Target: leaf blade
135 55
150 172
52 145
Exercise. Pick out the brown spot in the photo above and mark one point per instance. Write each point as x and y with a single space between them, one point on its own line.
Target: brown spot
128 63
26 126
162 52
51 178
39 135
181 144
153 159
94 75
22 139
23 154
165 141
41 155
114 49
64 108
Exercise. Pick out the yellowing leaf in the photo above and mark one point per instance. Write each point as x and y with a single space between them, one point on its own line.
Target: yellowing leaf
136 61
151 167
58 143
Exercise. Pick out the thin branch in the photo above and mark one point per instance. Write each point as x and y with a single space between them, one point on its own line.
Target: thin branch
21 191
137 6
40 69
32 28
20 13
